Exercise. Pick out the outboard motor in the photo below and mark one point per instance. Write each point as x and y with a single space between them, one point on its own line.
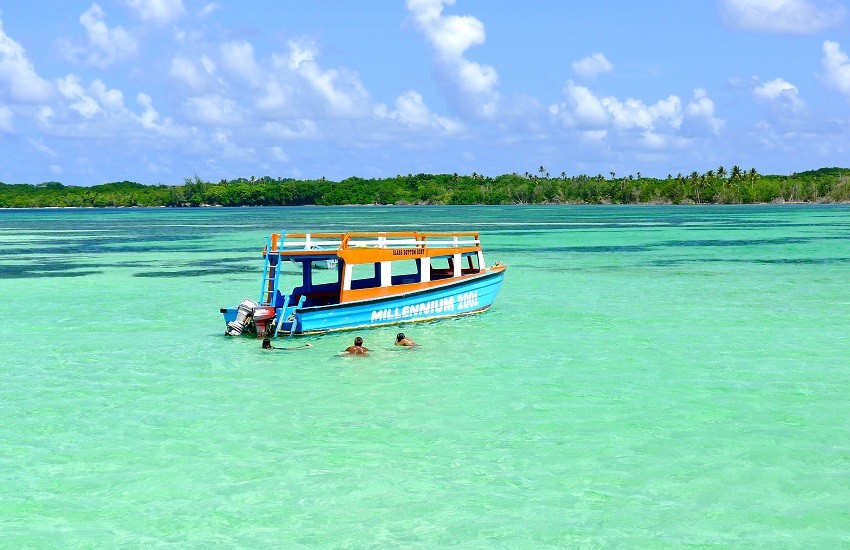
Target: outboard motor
243 318
263 317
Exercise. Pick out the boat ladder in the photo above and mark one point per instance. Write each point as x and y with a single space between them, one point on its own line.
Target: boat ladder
294 321
284 312
271 273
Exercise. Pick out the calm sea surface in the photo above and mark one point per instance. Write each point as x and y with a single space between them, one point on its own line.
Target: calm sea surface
648 377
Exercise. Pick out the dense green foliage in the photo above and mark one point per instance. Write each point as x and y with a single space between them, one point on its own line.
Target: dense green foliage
715 186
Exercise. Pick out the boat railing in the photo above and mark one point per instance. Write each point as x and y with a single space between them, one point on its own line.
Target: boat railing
342 241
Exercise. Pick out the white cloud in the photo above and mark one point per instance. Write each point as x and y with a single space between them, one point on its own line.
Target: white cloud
342 91
185 71
18 79
106 46
591 136
650 126
633 113
81 102
158 11
411 111
7 118
42 148
290 85
227 149
652 140
274 96
149 117
778 92
837 67
782 16
471 84
293 129
110 100
208 65
209 8
44 114
582 108
238 59
701 109
592 66
278 154
215 110
100 112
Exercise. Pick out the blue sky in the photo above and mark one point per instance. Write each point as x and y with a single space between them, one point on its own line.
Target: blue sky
155 91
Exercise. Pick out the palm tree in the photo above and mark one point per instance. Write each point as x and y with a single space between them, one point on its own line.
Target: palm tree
752 176
542 171
694 177
721 172
736 173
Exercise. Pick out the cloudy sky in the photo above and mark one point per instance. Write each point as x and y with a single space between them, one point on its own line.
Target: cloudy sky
158 90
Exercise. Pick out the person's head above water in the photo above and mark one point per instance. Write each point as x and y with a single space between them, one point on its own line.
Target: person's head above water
267 344
402 340
358 348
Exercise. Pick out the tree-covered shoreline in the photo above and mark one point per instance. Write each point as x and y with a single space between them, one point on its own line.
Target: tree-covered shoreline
735 186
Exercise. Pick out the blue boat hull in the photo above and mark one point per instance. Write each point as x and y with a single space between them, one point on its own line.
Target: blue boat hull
461 297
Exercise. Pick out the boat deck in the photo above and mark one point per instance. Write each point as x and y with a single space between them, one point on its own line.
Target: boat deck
308 244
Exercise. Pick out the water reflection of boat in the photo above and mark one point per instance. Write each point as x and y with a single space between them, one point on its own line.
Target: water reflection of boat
378 279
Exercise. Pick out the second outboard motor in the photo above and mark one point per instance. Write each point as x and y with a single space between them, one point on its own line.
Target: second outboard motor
263 318
243 318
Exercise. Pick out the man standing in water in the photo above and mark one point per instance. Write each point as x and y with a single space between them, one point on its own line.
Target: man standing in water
358 348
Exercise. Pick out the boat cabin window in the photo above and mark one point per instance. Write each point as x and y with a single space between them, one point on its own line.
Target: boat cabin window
469 263
319 283
406 272
442 267
365 276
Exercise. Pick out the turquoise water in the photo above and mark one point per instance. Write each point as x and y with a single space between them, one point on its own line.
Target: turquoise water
648 377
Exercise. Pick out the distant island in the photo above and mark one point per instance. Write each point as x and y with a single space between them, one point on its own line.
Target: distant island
735 186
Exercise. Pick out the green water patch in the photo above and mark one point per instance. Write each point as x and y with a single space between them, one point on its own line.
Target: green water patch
590 249
765 261
738 242
183 273
44 270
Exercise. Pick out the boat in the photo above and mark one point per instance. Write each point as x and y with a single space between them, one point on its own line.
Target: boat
380 278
